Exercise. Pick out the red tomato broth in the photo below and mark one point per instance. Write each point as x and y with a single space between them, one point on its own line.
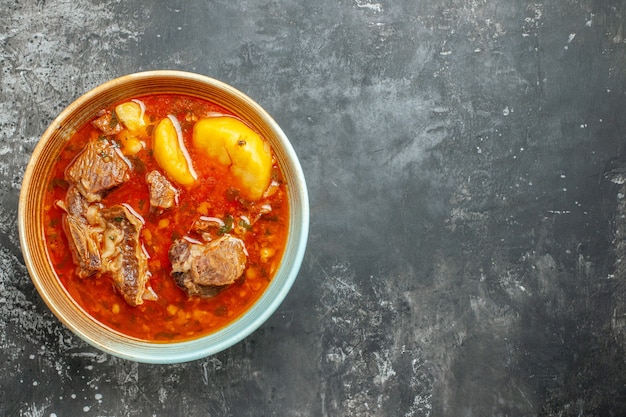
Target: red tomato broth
174 316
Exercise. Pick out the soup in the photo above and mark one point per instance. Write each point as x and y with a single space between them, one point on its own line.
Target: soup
166 217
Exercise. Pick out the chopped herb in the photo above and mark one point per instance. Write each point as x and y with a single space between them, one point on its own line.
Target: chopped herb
138 164
113 122
118 219
232 194
59 183
275 175
244 224
228 225
165 335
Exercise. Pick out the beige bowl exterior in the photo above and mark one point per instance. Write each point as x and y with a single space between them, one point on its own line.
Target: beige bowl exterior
32 196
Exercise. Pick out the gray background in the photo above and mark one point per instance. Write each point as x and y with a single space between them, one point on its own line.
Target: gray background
466 162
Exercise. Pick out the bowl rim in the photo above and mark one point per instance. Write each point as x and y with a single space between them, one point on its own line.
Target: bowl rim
137 350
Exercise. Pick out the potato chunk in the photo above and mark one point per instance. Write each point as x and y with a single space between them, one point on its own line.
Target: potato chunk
130 144
230 142
170 152
132 117
131 114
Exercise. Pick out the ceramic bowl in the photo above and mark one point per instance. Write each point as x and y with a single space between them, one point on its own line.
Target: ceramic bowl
32 196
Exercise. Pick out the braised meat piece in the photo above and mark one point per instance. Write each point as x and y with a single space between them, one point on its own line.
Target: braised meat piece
204 269
106 240
108 124
163 195
83 245
99 168
82 238
75 204
123 256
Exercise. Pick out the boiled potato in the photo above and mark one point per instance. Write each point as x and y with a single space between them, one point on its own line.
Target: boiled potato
230 142
130 144
170 152
131 114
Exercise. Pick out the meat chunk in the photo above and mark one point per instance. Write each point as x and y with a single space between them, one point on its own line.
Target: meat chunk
204 269
82 238
107 240
108 124
75 204
123 256
83 244
99 168
163 194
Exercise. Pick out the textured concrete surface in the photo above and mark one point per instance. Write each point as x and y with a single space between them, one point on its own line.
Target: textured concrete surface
466 162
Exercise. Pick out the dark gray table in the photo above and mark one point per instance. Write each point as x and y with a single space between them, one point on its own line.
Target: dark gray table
466 163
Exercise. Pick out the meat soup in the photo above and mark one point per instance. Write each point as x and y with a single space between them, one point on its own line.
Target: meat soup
166 217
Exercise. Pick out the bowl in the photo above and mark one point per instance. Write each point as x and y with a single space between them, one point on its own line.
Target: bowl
30 216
